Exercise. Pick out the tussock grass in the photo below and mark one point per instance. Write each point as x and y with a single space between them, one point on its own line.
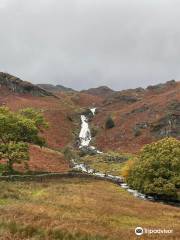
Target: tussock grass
78 209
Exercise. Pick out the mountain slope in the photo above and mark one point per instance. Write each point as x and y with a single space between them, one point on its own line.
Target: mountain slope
15 94
140 115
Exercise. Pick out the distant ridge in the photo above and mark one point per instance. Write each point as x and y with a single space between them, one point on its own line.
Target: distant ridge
103 91
137 94
55 88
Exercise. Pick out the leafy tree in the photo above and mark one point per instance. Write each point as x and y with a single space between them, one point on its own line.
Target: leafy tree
16 131
109 123
156 171
36 116
14 153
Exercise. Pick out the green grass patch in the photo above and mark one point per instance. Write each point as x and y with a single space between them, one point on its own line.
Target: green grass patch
110 163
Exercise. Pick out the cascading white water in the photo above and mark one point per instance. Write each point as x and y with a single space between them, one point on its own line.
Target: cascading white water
85 133
93 110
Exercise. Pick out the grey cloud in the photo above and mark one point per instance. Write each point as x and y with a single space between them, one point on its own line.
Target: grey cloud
86 43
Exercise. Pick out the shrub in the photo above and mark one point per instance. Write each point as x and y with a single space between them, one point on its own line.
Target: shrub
137 132
126 168
109 123
157 169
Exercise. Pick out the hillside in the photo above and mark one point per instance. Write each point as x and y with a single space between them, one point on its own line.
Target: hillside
17 94
140 115
45 160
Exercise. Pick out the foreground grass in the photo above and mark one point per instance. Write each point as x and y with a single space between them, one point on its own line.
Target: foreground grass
79 209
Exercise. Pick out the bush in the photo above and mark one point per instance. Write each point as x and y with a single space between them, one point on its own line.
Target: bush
156 171
137 132
126 168
109 123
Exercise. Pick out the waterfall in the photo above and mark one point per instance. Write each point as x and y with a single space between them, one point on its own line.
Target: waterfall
93 110
85 133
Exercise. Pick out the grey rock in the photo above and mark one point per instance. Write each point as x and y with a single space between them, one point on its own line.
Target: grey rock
16 85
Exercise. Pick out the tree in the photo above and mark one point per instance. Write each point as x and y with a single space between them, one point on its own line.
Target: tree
36 116
109 123
156 171
16 131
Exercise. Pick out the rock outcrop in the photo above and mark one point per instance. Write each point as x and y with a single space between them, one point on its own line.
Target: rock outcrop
17 85
55 88
169 124
158 88
121 98
125 96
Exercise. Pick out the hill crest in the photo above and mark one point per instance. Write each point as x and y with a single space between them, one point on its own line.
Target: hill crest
103 91
16 85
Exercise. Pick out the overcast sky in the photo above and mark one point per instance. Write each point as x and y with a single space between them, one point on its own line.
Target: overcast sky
87 43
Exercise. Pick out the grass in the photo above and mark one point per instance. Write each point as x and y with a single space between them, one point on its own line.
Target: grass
110 163
78 209
31 232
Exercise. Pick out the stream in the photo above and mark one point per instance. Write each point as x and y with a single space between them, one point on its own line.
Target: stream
85 139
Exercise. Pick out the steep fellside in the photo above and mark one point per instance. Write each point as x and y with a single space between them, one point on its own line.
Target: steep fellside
140 116
17 94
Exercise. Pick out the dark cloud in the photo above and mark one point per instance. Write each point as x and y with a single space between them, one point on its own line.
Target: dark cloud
86 43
